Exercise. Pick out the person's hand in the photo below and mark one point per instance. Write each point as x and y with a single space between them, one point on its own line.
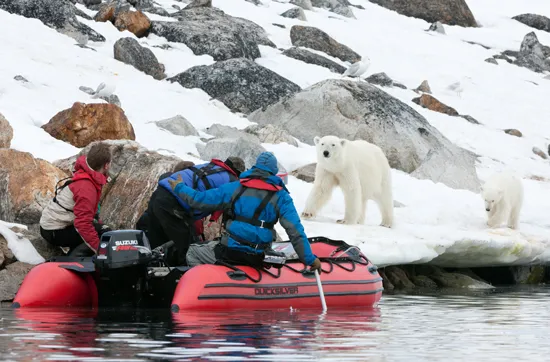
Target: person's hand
174 183
316 265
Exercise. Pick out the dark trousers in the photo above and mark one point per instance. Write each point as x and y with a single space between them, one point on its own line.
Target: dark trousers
236 257
167 220
70 238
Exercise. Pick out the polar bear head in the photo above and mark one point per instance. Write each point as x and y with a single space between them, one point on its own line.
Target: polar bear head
491 196
330 149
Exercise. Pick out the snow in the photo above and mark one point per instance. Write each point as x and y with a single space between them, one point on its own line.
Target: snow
436 223
20 246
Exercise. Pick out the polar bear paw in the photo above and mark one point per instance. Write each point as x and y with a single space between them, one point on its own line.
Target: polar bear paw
307 215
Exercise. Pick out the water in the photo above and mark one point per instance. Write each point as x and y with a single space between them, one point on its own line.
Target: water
502 325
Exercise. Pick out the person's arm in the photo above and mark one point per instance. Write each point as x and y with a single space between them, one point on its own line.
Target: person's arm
207 201
84 195
290 221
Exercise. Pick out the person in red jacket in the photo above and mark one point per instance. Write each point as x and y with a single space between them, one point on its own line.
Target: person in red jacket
71 218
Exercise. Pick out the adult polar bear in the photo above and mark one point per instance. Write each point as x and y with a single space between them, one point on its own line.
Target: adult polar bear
503 196
360 169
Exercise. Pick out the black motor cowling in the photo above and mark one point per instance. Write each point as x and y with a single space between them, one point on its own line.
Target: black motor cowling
122 249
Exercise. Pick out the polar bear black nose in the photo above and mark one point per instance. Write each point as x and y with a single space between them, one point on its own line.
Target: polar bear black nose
325 153
487 209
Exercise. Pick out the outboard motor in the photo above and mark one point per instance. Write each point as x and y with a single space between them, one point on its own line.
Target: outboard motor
121 262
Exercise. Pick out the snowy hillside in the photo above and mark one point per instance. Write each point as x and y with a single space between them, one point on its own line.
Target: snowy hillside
435 221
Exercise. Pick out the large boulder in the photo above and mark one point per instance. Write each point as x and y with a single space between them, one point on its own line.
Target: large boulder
26 186
135 22
309 57
533 55
210 31
6 132
178 126
222 148
340 7
452 12
221 131
539 22
57 14
129 51
271 134
134 176
85 123
359 110
310 37
11 279
241 84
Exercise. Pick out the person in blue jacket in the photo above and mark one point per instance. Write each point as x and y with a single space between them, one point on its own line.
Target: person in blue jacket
171 218
252 207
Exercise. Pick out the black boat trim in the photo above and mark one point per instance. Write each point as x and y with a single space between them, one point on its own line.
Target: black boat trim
300 284
309 295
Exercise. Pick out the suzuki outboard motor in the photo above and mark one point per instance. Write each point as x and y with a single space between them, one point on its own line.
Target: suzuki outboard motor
121 262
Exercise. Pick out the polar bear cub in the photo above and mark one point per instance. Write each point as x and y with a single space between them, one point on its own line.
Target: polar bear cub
503 196
360 169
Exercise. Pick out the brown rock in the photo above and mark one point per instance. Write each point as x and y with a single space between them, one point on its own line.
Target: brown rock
133 21
398 277
430 102
424 87
6 255
513 132
385 281
105 13
423 281
537 151
11 278
6 132
83 124
45 249
26 186
451 12
305 173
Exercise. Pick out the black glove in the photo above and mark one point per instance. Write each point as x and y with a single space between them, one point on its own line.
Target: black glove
316 265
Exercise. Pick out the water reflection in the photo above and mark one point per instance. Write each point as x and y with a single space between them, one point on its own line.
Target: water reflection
507 324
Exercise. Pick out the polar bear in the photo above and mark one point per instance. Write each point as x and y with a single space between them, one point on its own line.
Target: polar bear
503 196
360 169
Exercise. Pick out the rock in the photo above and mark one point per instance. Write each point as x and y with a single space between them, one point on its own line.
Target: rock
113 98
359 110
107 12
11 278
134 21
304 4
279 25
83 124
255 2
513 132
437 27
539 22
22 198
491 60
312 58
6 132
241 84
134 176
424 87
210 31
532 55
222 148
470 119
384 80
45 249
503 57
511 53
310 37
548 149
199 4
57 14
178 125
339 7
451 12
295 13
129 51
176 7
537 151
430 102
92 2
398 277
305 173
512 275
20 78
221 131
386 284
82 14
423 281
456 280
6 255
271 134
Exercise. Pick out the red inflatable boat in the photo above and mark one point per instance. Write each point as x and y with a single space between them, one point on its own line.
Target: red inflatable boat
126 272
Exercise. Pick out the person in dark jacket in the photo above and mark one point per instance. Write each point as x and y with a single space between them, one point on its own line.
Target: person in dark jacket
253 204
171 218
71 219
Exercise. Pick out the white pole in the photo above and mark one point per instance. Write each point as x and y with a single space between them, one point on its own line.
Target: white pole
321 293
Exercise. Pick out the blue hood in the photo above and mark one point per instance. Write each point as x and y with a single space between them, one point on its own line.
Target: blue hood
255 172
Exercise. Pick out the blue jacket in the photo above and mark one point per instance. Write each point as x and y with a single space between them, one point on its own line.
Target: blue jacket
221 177
281 208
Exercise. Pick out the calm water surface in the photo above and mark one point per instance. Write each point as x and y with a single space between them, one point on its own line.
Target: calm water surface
503 325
